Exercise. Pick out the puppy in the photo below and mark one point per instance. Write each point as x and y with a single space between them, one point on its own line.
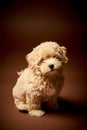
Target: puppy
42 80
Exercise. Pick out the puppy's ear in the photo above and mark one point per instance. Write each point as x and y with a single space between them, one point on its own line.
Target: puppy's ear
28 58
64 51
32 59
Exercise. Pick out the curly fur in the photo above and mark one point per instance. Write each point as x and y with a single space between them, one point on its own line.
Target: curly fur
42 80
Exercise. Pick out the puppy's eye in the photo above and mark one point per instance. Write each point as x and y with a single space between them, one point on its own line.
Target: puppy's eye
41 60
59 58
55 57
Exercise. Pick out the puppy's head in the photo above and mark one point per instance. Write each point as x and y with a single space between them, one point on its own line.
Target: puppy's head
47 58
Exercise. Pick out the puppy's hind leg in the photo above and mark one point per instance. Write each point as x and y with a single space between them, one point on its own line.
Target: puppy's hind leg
20 104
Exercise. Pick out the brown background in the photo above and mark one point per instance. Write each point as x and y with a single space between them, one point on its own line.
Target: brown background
24 25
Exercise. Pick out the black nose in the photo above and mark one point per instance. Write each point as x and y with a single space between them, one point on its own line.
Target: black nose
51 66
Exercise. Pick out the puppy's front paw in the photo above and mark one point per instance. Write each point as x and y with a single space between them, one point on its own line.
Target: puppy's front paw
37 113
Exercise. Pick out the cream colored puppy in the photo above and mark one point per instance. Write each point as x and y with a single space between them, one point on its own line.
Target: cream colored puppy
43 80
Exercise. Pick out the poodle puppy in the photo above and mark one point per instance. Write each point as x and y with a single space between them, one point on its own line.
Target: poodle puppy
42 80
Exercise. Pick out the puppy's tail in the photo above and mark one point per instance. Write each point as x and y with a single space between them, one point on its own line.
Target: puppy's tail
20 73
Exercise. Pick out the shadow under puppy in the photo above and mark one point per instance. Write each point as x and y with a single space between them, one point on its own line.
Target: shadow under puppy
42 80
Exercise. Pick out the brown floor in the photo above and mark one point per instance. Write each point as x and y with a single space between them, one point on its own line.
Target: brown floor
18 36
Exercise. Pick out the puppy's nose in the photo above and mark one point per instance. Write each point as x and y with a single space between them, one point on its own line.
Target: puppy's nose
51 66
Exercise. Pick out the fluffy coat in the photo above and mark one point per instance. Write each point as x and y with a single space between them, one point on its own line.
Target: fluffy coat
42 80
